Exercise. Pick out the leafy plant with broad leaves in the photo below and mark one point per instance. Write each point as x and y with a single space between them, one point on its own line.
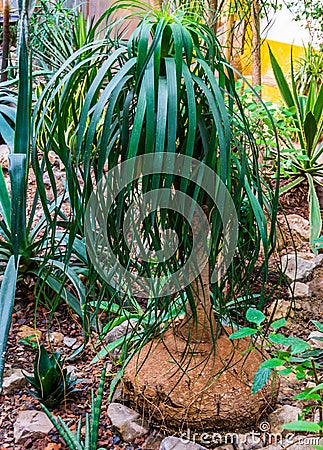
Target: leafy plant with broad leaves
288 354
51 383
307 115
92 423
271 125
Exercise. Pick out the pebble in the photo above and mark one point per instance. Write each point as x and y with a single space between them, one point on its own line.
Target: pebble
31 424
316 339
296 268
69 342
13 380
281 416
174 443
128 422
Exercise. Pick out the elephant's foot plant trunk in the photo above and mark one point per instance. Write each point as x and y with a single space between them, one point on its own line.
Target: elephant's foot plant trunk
195 378
200 326
198 390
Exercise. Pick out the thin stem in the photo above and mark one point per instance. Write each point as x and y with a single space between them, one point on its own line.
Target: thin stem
317 382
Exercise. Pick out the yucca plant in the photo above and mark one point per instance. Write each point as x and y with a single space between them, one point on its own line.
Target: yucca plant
309 70
307 115
92 423
51 383
168 91
58 31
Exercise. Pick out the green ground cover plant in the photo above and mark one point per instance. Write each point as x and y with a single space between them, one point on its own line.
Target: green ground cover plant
288 355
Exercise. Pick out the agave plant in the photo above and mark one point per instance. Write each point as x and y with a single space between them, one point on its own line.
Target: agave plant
168 91
307 116
13 224
25 246
51 382
8 108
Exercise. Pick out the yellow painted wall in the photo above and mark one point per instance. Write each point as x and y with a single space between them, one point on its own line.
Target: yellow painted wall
282 53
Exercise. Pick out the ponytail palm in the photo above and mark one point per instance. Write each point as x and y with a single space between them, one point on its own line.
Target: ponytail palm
168 91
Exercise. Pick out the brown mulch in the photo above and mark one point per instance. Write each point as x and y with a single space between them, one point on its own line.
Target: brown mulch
295 201
21 356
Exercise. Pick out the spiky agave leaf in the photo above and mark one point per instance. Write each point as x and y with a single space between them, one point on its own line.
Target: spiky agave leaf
51 382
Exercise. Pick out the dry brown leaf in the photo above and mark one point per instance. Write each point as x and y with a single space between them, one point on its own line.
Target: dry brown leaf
26 332
53 446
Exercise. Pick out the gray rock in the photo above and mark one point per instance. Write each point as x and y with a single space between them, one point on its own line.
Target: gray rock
69 342
282 415
56 338
174 443
301 290
71 370
302 272
316 339
248 441
14 379
300 225
302 442
31 424
318 260
282 308
127 422
119 331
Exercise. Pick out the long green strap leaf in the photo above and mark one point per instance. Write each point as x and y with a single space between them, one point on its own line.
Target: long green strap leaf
318 107
74 279
315 213
290 185
7 298
5 203
7 132
310 130
281 81
63 430
22 134
97 411
17 171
